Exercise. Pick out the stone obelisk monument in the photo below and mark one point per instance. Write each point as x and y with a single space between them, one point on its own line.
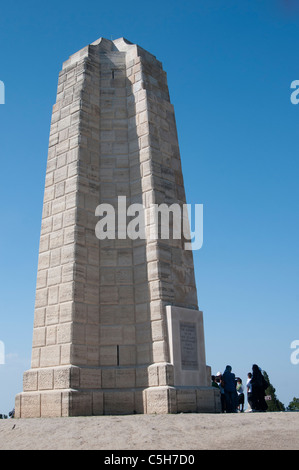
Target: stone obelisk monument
116 327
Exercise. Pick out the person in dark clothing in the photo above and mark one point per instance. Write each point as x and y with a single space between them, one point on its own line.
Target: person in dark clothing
249 390
230 391
240 392
259 386
220 383
214 383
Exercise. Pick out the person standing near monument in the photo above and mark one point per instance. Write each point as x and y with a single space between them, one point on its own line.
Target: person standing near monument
240 392
249 391
230 390
214 383
222 393
258 390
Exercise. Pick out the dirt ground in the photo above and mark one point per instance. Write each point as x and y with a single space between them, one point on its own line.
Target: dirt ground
154 432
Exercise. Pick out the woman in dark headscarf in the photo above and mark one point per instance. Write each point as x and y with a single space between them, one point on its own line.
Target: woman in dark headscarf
230 390
258 390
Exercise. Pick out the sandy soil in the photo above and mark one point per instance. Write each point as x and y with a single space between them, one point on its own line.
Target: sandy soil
154 432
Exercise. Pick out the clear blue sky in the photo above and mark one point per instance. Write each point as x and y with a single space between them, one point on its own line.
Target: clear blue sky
230 65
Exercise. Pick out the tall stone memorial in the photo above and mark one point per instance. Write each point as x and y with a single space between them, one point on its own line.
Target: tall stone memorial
117 328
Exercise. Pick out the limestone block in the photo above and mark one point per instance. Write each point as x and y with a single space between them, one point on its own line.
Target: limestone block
66 312
45 379
53 295
108 356
125 378
144 353
69 217
126 295
166 374
39 317
157 400
54 276
158 333
18 406
208 400
111 335
39 337
64 333
142 312
153 377
66 292
74 377
79 354
93 334
30 381
142 292
186 400
51 335
142 379
108 378
61 173
55 257
35 357
127 355
90 378
67 254
97 403
80 403
159 353
139 405
62 378
41 281
44 244
68 273
50 356
51 404
57 222
30 405
109 295
119 403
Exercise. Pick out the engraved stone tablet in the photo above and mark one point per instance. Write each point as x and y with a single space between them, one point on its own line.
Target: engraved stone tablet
188 346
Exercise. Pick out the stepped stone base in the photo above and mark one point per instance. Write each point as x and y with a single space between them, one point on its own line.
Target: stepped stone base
160 400
78 391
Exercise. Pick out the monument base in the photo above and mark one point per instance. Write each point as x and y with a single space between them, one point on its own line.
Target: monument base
181 385
82 391
153 400
163 400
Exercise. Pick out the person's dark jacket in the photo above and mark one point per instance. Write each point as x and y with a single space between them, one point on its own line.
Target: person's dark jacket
229 380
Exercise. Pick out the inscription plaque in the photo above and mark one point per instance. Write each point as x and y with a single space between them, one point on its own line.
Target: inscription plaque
188 336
